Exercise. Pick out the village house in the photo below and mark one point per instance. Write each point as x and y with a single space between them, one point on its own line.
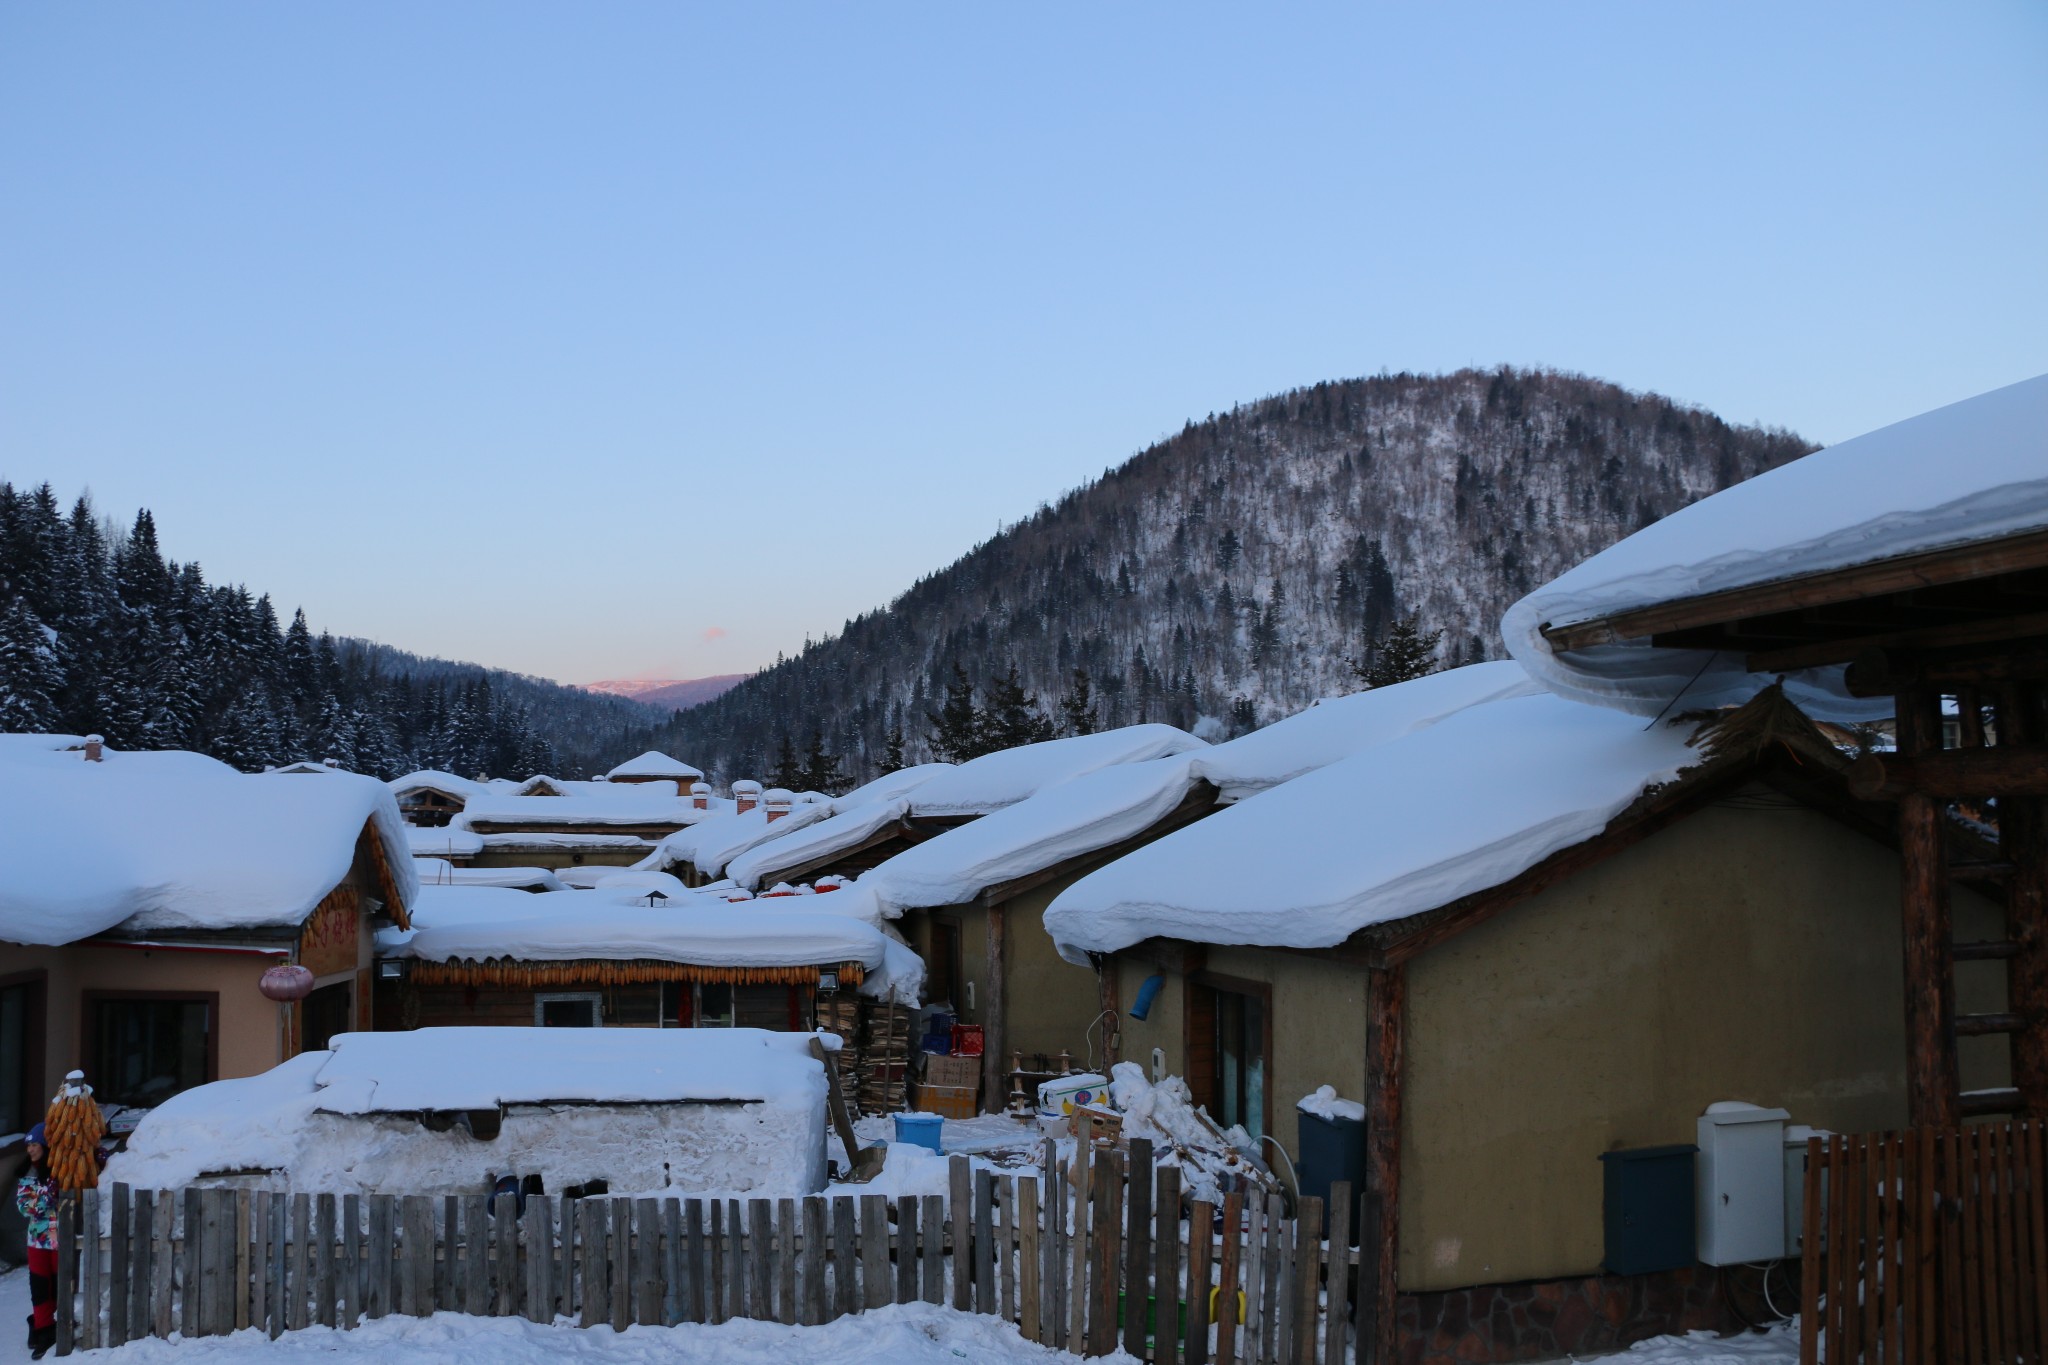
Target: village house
655 766
1542 932
146 895
429 799
554 824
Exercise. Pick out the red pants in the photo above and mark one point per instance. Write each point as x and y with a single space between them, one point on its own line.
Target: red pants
42 1286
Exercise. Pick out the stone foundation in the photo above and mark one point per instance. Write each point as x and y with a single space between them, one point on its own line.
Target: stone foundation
1553 1318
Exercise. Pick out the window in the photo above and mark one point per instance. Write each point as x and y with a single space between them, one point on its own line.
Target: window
144 1048
1229 1027
569 1011
21 1043
706 1004
942 965
325 1013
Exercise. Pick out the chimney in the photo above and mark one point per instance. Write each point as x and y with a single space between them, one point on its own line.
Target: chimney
93 746
746 794
700 796
777 802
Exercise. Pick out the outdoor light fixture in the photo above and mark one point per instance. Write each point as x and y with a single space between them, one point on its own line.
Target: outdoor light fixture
655 898
828 979
391 971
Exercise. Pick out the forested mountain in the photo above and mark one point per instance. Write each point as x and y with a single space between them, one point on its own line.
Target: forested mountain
100 633
1236 571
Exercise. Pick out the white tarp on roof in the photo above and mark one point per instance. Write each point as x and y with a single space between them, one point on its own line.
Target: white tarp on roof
1008 776
1338 727
655 763
1066 820
1972 471
171 841
1393 831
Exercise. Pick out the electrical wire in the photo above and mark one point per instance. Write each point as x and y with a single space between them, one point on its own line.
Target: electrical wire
1293 1178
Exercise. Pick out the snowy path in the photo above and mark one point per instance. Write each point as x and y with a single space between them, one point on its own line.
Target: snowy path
917 1334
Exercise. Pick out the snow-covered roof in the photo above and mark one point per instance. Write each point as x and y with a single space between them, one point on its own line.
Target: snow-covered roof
176 841
1970 472
445 842
711 844
1392 831
889 786
1067 820
725 936
1338 727
598 803
435 780
1008 776
436 872
654 763
827 838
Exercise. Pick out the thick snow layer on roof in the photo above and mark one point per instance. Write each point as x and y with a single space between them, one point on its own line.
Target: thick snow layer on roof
1390 832
655 763
537 842
825 838
627 803
446 842
1338 727
1008 776
434 780
1973 471
727 936
1066 820
889 786
439 872
711 844
176 841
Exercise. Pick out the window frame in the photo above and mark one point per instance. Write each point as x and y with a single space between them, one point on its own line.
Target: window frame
35 1033
89 1002
542 999
1199 1012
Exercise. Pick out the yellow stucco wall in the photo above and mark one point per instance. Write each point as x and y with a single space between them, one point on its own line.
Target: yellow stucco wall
1750 952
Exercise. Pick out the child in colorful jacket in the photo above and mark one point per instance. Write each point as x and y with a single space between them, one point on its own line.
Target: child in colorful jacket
35 1196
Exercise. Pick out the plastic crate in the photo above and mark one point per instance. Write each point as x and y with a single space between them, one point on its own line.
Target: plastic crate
950 1101
967 1040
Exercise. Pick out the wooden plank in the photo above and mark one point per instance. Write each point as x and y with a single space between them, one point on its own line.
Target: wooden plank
541 1250
786 1306
216 1262
323 1260
1104 1262
814 1266
1997 1315
447 1269
932 1272
2005 1166
906 1249
1053 1251
67 1256
1890 1264
674 1307
141 1247
2037 1205
1386 995
761 1257
646 1268
1840 1256
592 1283
350 1265
715 1286
244 1200
91 1282
1872 1235
1005 1192
1257 1309
506 1262
620 1263
1166 1266
984 1243
1227 1311
1280 1253
276 1262
1076 1276
186 1254
697 1262
377 1283
1955 1337
1905 1227
469 1278
120 1263
163 1277
1201 1240
298 1289
259 1260
1029 1318
874 1251
845 1257
1138 1249
960 1203
1927 1249
1337 1282
1308 1237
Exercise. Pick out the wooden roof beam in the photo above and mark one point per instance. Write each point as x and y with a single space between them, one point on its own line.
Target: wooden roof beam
1933 637
2007 770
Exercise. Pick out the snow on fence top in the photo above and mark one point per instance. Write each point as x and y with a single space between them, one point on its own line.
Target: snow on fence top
176 841
1973 471
1008 776
655 763
1062 821
1390 832
1338 727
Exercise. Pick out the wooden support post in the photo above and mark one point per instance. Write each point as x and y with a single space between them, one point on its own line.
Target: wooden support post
1379 1248
995 1021
1112 1011
1931 1083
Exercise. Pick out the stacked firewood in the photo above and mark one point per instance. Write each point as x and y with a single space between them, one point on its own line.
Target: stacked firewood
885 1058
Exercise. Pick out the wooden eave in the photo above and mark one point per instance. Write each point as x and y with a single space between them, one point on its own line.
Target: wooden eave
888 841
646 829
1975 594
1199 802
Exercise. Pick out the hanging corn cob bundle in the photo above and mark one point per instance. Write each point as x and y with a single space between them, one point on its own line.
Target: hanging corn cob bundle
74 1127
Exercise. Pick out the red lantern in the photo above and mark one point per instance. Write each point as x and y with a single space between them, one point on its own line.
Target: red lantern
286 981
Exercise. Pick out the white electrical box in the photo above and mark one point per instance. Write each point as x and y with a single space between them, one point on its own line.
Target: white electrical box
1740 1183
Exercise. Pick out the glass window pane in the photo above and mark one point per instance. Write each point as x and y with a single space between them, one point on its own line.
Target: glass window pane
149 1050
568 1014
13 1058
714 1005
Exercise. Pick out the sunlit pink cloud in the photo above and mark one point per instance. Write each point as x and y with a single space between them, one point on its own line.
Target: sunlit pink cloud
714 632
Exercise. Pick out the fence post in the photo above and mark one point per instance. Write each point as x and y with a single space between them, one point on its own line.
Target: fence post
785 1244
1138 1304
1201 1241
1077 1256
933 1278
814 1261
89 1260
906 1248
845 1258
960 1204
1308 1237
1166 1293
1029 1323
984 1243
1228 1314
275 1253
621 1264
1337 1309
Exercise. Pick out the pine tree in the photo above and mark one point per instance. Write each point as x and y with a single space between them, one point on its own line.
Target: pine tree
1404 652
959 728
1077 708
892 752
821 769
30 676
787 772
1012 716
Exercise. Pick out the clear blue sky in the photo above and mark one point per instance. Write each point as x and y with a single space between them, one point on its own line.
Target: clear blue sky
644 339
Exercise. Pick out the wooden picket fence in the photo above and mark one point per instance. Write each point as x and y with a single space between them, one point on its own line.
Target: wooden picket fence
1927 1245
1065 1254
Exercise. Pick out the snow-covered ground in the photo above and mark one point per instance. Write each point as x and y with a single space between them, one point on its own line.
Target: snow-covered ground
911 1334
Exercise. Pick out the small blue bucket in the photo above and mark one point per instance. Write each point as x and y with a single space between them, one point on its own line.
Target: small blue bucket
920 1130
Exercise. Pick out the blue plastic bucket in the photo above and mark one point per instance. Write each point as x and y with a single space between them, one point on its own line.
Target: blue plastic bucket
920 1130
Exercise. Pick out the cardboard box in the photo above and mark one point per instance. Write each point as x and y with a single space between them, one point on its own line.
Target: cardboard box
952 1071
952 1101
